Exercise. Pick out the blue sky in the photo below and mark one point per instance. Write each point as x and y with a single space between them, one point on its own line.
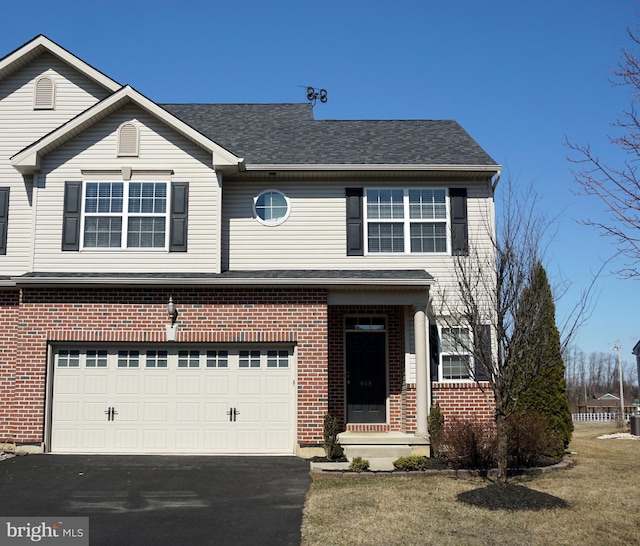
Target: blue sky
519 77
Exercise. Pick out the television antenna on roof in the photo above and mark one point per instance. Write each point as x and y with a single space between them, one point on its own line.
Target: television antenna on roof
314 95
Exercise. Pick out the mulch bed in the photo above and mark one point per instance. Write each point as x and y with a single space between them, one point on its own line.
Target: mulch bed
441 466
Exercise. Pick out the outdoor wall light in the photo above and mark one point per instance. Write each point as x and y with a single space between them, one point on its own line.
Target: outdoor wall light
172 311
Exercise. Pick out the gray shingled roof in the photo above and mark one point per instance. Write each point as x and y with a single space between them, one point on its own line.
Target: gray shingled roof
284 275
289 134
391 277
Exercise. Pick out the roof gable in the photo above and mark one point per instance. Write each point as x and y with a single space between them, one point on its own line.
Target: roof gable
282 136
41 44
27 161
609 396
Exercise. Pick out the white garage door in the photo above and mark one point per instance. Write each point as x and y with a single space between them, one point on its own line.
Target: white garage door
151 400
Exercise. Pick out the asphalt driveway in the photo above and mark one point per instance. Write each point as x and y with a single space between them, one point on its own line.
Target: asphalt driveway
162 500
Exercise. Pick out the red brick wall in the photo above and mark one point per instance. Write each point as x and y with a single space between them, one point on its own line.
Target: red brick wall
139 315
36 316
9 305
463 400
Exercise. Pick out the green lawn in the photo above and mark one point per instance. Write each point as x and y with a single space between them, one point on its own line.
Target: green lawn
597 502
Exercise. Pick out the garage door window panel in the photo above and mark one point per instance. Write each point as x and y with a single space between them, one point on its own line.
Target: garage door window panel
97 359
217 359
249 359
189 359
68 359
156 359
278 359
128 359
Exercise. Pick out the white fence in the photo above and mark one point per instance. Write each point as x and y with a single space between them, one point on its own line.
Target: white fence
599 416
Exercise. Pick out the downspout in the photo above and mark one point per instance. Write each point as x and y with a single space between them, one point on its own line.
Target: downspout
35 182
496 179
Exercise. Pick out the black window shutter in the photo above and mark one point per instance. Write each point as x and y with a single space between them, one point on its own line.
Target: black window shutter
71 216
459 228
483 347
4 219
434 351
355 222
179 216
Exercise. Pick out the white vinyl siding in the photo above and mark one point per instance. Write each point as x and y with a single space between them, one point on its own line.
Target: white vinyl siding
22 125
164 152
314 235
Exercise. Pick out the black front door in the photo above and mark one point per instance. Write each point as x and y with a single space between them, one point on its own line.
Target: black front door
366 377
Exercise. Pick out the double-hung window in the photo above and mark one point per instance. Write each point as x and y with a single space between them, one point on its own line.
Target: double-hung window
406 220
455 354
125 215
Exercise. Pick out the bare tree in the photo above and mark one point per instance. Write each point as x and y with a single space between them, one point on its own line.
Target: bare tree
490 281
618 187
595 374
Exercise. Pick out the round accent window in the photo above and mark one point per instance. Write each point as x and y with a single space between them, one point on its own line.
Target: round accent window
271 207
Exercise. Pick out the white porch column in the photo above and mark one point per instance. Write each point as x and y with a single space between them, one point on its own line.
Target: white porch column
423 379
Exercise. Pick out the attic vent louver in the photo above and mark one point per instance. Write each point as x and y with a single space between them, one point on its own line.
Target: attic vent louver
44 94
128 139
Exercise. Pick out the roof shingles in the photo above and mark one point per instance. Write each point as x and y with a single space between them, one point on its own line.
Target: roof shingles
288 134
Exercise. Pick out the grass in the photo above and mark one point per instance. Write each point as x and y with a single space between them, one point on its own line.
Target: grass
593 503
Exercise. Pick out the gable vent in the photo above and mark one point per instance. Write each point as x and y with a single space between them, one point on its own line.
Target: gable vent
44 93
128 139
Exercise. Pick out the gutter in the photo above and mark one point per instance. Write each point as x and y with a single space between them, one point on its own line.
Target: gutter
370 166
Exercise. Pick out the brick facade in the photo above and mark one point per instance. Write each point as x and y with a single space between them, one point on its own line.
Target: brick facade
35 317
463 400
139 315
9 306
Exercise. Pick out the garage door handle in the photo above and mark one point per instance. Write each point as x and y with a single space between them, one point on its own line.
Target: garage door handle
232 413
111 413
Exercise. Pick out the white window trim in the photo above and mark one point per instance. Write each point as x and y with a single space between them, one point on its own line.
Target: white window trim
406 221
441 354
278 222
125 214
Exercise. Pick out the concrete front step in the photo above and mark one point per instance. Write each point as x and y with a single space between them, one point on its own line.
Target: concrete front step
382 445
377 451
